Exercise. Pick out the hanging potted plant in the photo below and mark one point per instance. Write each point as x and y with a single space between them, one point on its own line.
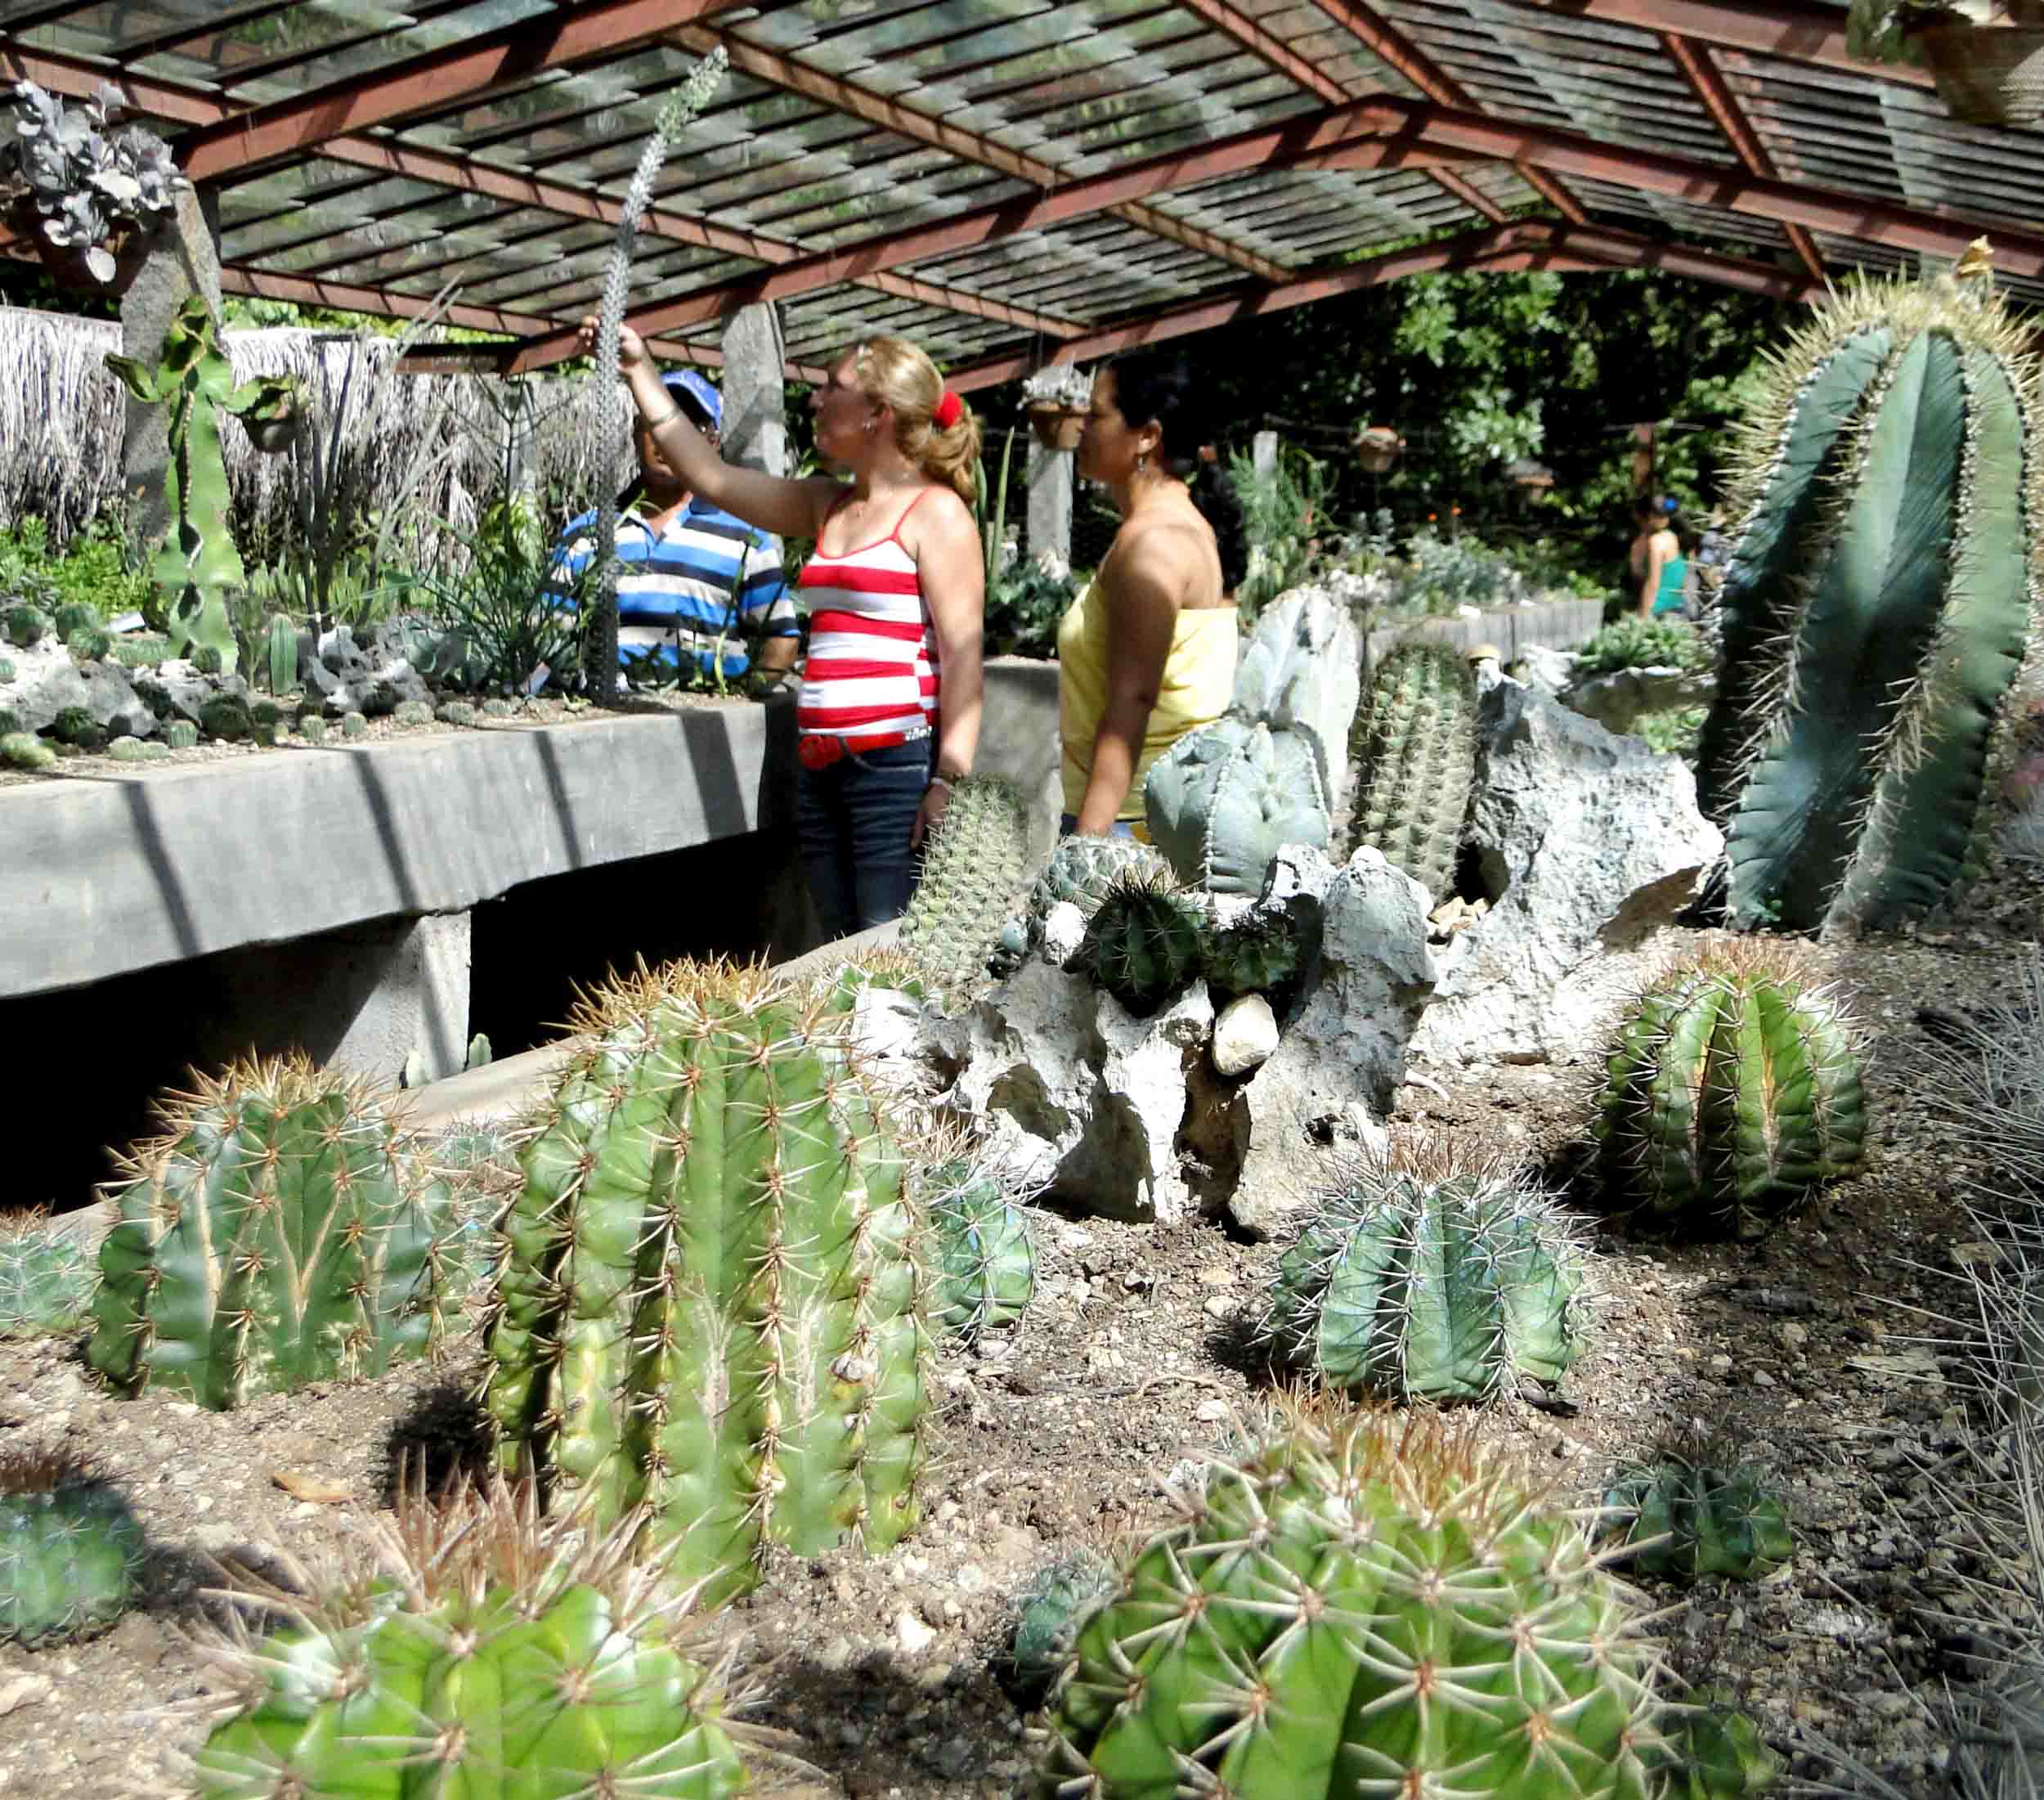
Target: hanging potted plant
1377 447
1987 57
1056 399
88 197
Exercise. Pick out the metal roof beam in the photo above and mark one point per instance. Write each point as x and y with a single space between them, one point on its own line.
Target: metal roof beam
1796 32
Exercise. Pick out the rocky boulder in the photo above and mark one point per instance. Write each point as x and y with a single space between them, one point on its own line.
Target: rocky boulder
1617 700
1588 843
47 679
348 680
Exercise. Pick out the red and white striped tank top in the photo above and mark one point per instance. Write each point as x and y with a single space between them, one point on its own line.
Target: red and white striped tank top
872 661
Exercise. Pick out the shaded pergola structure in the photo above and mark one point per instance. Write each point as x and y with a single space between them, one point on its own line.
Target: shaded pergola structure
1013 181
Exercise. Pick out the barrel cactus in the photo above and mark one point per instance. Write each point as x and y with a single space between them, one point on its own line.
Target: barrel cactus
1373 1605
1878 606
1713 1750
478 1648
181 734
1082 868
1226 799
1255 953
1732 1089
1146 941
46 1276
71 1552
24 751
24 625
1697 1512
275 1235
975 869
1053 1607
1432 1276
711 1304
983 1260
1419 761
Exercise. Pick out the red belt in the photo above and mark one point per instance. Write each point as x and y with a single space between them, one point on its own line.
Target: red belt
819 750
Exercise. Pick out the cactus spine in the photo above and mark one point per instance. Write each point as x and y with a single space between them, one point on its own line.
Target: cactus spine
1431 1278
1146 941
272 1236
1370 1606
1878 606
482 1651
70 1551
710 1302
1731 1090
975 868
985 1262
1693 1513
1419 762
46 1276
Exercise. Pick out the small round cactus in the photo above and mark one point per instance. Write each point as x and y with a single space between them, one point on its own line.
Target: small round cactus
312 728
46 1277
74 616
89 643
456 712
1693 1512
353 725
225 716
24 750
498 709
1053 1607
207 659
1255 954
985 1266
7 668
181 734
127 749
413 712
1712 1751
24 625
1081 869
75 725
1146 941
71 1552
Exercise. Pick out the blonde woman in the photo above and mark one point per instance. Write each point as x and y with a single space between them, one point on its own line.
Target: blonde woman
889 713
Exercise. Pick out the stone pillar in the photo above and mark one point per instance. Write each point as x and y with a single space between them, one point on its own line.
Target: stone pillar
755 431
1263 450
1050 527
184 260
521 457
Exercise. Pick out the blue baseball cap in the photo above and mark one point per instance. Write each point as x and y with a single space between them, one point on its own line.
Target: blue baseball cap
688 381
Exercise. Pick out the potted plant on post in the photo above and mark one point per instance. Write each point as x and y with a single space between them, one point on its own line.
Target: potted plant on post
88 197
1987 57
1056 399
1377 447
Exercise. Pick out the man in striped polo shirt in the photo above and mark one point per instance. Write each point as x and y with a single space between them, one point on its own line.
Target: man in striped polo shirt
692 581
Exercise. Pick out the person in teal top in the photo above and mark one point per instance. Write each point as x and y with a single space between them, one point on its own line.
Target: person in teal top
1657 563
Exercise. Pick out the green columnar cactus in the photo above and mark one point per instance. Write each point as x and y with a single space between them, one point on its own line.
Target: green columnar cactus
1712 1751
1226 799
280 654
71 1552
24 750
1053 1607
1419 761
1254 955
1373 1606
1693 1513
1432 1278
712 1301
181 734
1878 606
46 1276
194 381
975 868
272 1236
1732 1089
985 1262
479 1651
1145 941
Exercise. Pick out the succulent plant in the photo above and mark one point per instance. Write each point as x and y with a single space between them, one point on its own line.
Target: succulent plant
206 659
1224 800
1732 1089
1369 1605
1419 761
477 1648
140 652
280 654
1082 869
312 728
71 1553
353 725
76 725
456 712
74 616
89 643
46 1276
1712 1751
1053 1607
10 721
24 625
413 712
127 749
6 669
1256 954
498 709
1878 605
272 1236
84 180
24 750
983 1260
710 1302
1432 1275
1145 942
1694 1511
975 868
226 717
181 734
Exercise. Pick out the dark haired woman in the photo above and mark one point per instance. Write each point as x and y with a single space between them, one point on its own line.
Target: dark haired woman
1659 570
1147 652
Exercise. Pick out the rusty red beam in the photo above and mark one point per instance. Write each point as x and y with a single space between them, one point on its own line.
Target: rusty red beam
81 76
1469 194
1794 33
1707 83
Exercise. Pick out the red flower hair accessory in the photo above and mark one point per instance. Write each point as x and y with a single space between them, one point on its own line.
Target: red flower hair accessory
948 411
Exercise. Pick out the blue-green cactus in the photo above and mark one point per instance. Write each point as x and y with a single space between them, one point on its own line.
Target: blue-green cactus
71 1552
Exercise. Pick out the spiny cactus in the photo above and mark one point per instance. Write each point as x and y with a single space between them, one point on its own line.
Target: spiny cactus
1368 1606
7 668
74 616
75 725
25 750
273 1236
1226 799
181 734
1419 761
983 1260
1300 670
1053 1607
89 643
1732 1089
1712 1751
1878 605
975 868
281 655
71 1552
1082 869
312 728
353 725
456 712
47 1274
226 717
24 625
1146 941
412 712
476 1648
1256 954
712 1301
1694 1511
206 659
128 750
1432 1275
885 970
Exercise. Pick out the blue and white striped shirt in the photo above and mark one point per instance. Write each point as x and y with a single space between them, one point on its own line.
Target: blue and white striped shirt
706 575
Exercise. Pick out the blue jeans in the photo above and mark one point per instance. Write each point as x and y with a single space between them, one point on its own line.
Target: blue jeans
852 824
1068 823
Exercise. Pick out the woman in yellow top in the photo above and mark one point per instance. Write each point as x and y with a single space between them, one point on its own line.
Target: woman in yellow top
1147 652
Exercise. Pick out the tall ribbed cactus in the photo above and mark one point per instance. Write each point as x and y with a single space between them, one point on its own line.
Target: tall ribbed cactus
1372 1606
599 666
975 869
276 1235
710 1304
1731 1090
1878 606
1419 761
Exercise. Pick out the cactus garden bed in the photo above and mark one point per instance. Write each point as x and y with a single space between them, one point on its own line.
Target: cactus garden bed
1806 1349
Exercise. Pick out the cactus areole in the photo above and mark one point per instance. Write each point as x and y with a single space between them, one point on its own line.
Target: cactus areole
710 1304
1880 601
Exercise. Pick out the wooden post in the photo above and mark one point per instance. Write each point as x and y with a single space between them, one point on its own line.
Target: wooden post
1644 438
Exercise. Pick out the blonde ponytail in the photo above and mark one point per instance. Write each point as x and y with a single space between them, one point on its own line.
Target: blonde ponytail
892 372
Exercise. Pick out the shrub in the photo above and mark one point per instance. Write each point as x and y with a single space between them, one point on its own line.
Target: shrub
1643 643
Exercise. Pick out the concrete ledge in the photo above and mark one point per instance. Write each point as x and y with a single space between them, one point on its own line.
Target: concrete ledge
1553 625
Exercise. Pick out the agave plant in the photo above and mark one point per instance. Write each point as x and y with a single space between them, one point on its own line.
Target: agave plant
84 182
